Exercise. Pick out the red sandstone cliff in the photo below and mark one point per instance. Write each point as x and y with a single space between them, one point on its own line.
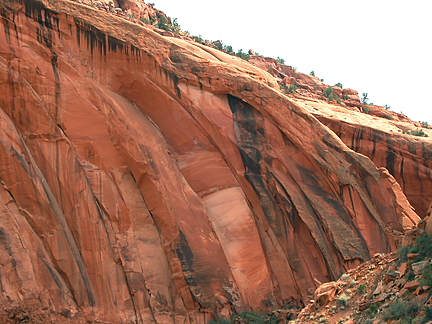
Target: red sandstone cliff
147 179
380 134
387 142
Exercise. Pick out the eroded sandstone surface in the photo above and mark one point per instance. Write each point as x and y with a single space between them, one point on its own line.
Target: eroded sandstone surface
387 142
148 179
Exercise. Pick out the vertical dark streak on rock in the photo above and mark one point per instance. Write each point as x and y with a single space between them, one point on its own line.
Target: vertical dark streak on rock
250 147
186 257
390 161
374 139
403 184
419 177
8 23
114 44
54 65
96 40
353 138
58 278
7 33
39 13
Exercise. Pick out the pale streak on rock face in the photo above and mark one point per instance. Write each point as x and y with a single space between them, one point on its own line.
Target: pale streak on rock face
146 179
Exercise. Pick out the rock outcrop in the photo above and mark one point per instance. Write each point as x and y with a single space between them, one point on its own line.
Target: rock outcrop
147 179
390 288
408 158
387 142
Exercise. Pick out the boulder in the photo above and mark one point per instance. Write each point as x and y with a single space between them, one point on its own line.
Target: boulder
325 293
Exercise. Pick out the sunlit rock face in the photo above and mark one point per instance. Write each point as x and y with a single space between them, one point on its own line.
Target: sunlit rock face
407 158
380 134
146 179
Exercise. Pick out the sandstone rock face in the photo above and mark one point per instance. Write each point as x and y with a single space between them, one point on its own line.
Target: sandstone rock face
146 179
407 158
386 141
309 86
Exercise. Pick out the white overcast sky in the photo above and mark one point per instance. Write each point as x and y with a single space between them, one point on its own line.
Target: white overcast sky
380 47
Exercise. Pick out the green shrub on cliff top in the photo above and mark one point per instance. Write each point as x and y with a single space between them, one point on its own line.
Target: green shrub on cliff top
328 93
416 133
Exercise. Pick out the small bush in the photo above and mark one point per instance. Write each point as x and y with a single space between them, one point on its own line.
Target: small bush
328 93
372 310
175 23
402 253
338 100
388 116
366 109
198 39
405 310
243 55
291 88
410 276
312 73
339 85
387 107
343 300
228 49
427 274
361 289
416 133
253 318
163 23
280 60
220 321
346 97
423 246
218 45
145 21
365 98
428 315
425 125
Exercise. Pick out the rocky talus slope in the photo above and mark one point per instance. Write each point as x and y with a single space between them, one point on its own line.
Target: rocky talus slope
391 288
150 179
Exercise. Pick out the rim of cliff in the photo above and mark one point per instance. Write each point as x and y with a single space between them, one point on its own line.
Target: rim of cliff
324 101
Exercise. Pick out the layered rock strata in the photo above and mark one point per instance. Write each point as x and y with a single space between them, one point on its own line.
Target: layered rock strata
387 141
408 158
146 179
